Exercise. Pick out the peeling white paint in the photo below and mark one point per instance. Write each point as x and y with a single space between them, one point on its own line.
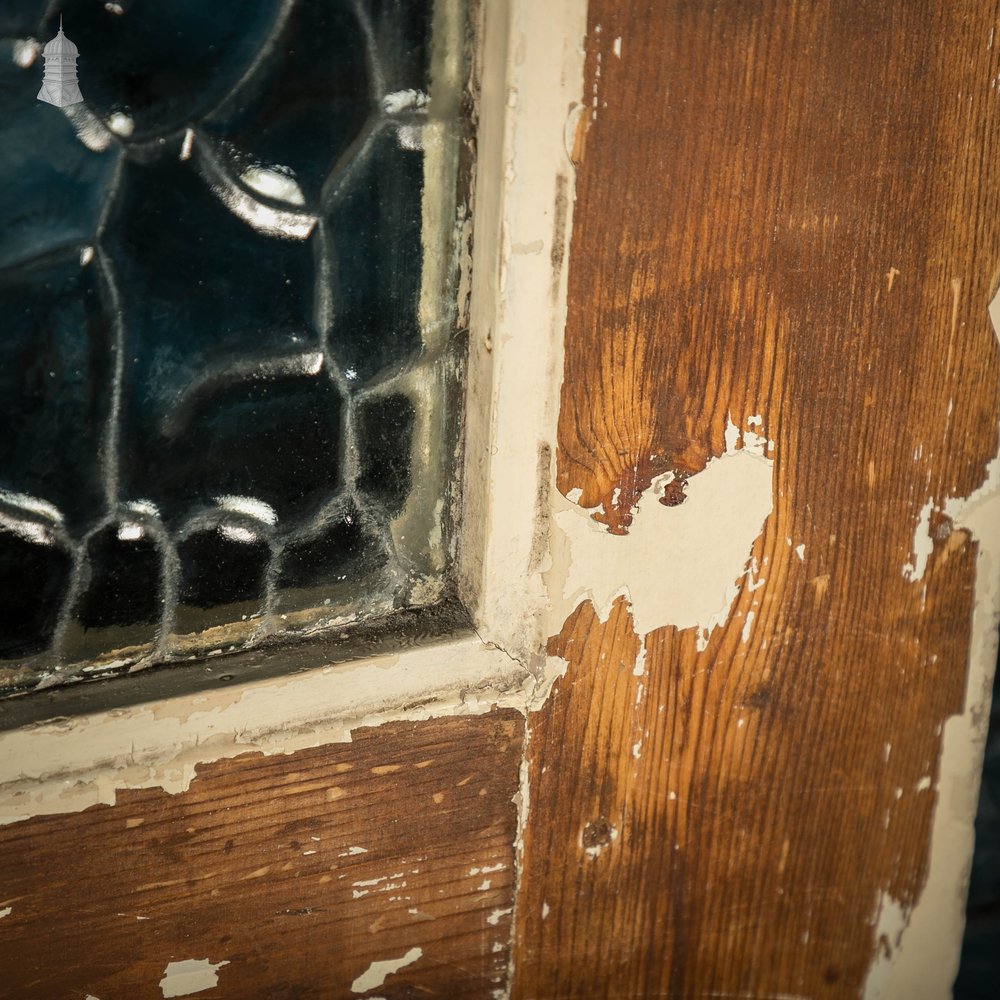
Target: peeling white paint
71 764
926 961
923 545
889 919
800 551
497 915
377 973
488 869
6 911
193 975
925 958
640 661
663 566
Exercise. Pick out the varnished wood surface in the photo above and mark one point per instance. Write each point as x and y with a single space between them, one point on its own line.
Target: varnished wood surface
298 871
785 208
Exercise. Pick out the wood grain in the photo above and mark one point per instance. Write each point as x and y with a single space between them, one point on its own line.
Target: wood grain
299 871
785 208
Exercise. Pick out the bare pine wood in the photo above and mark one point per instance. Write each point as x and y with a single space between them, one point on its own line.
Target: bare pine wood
786 209
299 871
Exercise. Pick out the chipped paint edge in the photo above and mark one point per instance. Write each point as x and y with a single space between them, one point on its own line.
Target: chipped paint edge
66 765
925 942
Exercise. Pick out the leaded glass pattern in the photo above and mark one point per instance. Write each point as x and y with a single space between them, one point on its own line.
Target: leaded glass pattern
227 362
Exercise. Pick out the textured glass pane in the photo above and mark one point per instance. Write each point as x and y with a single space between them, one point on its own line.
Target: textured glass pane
226 304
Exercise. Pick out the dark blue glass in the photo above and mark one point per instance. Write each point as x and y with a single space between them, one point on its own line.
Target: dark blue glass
20 18
34 580
165 63
221 568
213 358
47 201
385 433
377 219
56 367
346 552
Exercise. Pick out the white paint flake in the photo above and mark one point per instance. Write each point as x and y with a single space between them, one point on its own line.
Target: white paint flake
617 47
933 926
488 869
193 975
923 545
497 915
889 919
747 627
377 973
351 851
728 502
6 912
800 551
640 661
